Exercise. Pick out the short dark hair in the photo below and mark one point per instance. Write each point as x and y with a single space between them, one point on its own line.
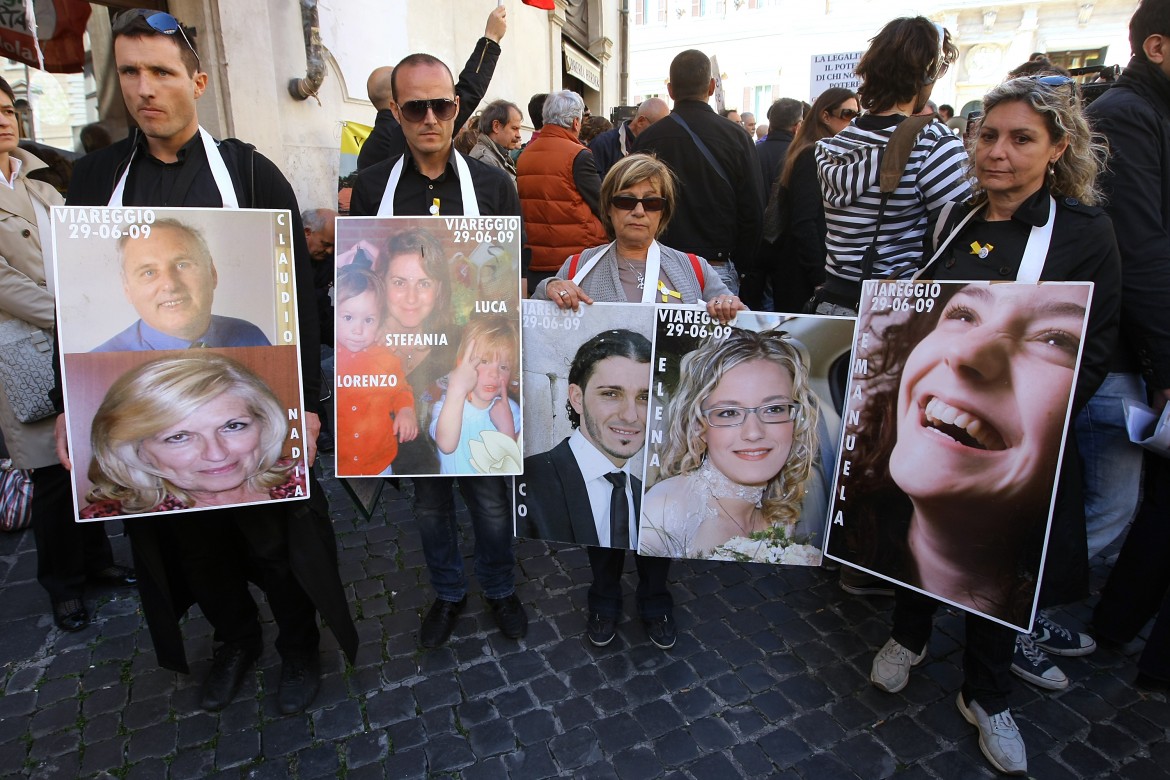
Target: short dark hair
902 59
690 75
412 61
496 111
536 109
785 113
609 343
132 24
948 108
6 88
1151 18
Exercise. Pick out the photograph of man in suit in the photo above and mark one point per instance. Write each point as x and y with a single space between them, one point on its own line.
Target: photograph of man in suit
169 278
581 491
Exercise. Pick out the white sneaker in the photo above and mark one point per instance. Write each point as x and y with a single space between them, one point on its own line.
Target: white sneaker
999 738
891 666
1030 663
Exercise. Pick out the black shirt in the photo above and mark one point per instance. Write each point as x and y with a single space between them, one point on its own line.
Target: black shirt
494 191
153 182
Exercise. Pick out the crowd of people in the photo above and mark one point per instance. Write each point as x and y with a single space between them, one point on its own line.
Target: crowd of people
676 203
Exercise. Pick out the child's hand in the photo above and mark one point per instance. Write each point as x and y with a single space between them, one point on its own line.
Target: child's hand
405 424
461 381
501 416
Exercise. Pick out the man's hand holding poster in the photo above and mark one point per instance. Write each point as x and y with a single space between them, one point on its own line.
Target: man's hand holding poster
955 422
428 346
178 334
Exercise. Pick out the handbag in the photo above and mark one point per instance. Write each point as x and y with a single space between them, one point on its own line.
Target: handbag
16 489
26 369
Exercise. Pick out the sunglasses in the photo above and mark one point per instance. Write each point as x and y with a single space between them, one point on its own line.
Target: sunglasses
1054 80
629 202
416 110
159 21
848 114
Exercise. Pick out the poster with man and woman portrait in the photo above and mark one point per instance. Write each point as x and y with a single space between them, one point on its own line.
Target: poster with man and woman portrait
954 429
178 334
661 430
427 353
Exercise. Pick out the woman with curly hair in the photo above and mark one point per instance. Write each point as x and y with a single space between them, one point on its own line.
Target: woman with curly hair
740 448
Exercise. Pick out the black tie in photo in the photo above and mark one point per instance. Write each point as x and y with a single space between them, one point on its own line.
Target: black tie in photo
619 511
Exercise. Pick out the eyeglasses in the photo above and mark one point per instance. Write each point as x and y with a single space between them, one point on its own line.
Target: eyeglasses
416 110
848 114
735 416
159 21
941 64
629 202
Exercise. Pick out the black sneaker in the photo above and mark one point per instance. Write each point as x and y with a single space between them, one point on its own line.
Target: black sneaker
662 631
1051 637
601 630
439 622
300 678
510 616
1030 663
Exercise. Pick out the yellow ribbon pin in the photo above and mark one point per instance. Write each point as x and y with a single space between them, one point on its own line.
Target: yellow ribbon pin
434 207
667 293
981 250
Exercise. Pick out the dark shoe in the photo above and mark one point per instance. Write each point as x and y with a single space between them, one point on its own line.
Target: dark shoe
1051 637
70 615
662 631
510 616
228 669
600 630
116 576
1032 664
857 583
300 678
440 620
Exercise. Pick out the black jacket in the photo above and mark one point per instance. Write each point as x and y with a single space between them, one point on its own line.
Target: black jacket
1134 116
386 139
494 191
773 151
713 220
607 147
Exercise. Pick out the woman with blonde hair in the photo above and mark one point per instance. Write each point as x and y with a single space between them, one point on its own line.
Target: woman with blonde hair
734 475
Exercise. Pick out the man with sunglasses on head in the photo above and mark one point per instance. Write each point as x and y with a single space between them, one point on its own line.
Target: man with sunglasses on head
208 557
430 177
386 139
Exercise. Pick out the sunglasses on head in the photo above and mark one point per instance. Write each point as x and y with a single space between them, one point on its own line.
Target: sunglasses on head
416 110
1054 80
629 202
848 114
159 21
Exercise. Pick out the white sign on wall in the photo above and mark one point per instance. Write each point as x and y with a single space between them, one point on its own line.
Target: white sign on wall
833 70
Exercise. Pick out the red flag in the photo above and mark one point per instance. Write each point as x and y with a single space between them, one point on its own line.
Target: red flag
544 5
59 27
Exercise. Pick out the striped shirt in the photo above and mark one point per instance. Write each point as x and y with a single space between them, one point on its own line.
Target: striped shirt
848 167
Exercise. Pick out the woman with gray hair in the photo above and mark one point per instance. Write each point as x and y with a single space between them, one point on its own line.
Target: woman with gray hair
1032 218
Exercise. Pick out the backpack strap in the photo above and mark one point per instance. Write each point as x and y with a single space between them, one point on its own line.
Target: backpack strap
698 269
573 264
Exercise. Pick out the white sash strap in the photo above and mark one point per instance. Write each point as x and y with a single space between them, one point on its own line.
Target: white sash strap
653 267
219 172
466 188
1035 251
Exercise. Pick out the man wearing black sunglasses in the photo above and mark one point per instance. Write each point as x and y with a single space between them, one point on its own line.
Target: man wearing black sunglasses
430 177
207 557
386 139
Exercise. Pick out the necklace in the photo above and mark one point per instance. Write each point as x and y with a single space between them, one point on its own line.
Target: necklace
720 486
641 277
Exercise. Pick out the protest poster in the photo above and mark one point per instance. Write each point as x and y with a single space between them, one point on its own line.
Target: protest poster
427 350
954 428
181 369
586 378
743 423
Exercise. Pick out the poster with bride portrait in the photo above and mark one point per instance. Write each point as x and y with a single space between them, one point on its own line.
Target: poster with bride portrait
181 366
586 378
957 413
743 422
427 346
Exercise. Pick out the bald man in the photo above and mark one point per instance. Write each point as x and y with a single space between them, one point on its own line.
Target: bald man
386 140
613 145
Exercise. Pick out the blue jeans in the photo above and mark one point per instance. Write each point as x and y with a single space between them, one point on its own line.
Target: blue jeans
1112 463
729 276
489 500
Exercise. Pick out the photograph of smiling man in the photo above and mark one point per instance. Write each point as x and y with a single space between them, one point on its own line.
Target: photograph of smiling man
735 466
956 416
586 388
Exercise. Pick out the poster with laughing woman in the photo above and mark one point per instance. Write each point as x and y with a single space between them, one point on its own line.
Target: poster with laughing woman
743 423
954 427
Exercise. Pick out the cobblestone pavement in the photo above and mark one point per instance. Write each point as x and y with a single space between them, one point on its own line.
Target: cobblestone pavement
769 679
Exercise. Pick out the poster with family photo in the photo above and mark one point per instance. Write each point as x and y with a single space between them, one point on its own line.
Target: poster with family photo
586 379
956 417
743 425
427 346
179 342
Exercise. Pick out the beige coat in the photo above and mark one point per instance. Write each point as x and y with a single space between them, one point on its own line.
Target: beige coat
24 295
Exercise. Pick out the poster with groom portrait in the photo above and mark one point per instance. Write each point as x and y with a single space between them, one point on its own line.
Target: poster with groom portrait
956 420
